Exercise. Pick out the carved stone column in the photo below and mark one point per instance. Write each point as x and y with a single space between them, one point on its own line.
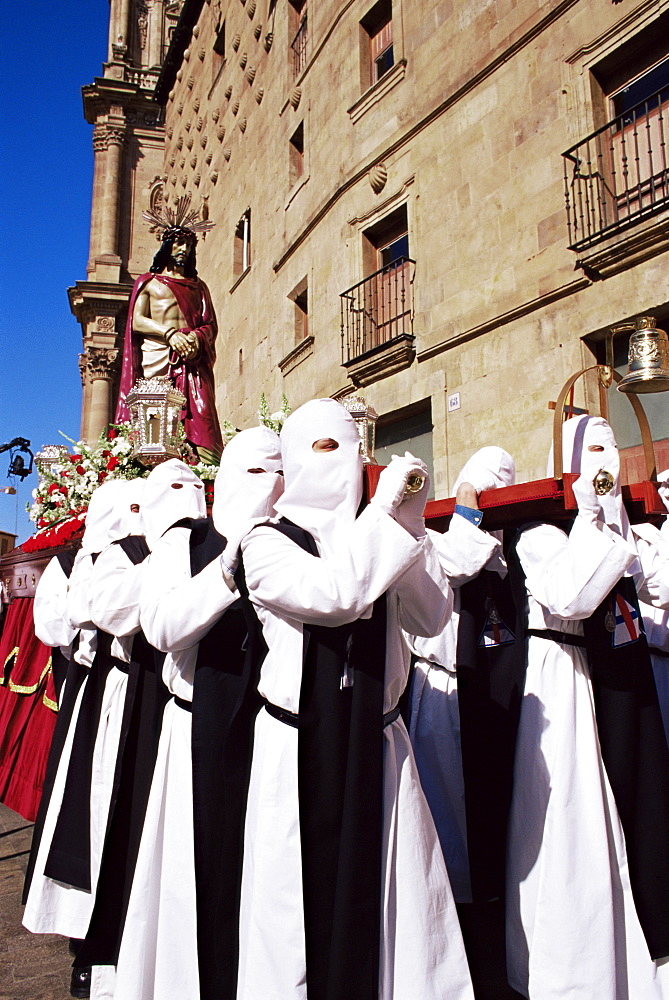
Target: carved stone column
99 153
97 366
115 135
155 40
118 30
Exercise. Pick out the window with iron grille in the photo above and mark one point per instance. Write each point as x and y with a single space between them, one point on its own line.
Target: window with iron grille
619 174
379 309
298 27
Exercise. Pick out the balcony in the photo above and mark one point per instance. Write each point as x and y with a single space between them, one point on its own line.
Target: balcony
619 175
377 323
299 47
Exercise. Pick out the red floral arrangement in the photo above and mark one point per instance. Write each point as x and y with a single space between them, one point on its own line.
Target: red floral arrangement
67 531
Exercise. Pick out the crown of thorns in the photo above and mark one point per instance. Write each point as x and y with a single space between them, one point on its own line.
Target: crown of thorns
178 221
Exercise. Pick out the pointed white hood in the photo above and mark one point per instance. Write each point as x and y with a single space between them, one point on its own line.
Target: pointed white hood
323 489
108 514
244 496
172 492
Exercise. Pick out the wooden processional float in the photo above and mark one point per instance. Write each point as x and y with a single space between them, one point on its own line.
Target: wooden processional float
552 499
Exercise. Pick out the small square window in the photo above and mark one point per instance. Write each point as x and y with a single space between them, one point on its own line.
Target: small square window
219 44
242 249
377 54
218 61
296 152
300 299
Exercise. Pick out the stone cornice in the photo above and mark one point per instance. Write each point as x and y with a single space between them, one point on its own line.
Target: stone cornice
644 239
98 97
97 296
299 353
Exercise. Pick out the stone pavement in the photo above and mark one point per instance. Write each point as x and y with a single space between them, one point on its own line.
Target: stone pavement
38 966
32 967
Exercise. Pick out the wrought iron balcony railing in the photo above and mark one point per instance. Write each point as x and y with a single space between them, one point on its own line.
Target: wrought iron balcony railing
619 175
378 309
299 47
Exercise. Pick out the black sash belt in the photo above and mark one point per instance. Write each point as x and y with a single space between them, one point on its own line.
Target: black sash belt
566 638
390 716
120 665
293 719
186 705
282 714
654 651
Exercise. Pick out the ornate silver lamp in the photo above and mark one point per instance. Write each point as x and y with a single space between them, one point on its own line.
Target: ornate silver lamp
49 457
365 420
155 413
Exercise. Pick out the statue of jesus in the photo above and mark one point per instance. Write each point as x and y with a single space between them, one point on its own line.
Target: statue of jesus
171 330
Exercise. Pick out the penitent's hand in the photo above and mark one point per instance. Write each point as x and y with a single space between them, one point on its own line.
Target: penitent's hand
589 504
466 496
392 483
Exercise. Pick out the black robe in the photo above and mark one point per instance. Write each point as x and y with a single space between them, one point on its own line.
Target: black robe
340 781
145 700
69 857
490 687
636 757
225 703
75 676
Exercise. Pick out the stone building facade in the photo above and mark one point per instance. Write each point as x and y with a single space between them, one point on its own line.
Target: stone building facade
394 213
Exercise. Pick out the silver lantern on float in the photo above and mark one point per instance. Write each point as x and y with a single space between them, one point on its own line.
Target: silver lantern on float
155 414
365 420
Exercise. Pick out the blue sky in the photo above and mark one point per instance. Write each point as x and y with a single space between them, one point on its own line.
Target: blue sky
50 50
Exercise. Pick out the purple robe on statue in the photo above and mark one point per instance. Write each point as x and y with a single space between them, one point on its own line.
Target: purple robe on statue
195 377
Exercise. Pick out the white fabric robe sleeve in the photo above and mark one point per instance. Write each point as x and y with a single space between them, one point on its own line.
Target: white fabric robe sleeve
464 549
78 604
115 592
570 575
51 627
424 593
371 556
177 610
653 548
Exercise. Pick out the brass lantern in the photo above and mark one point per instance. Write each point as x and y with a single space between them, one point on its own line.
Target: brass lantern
648 357
365 420
155 413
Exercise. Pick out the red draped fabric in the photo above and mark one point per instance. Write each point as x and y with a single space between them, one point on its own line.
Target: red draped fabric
27 710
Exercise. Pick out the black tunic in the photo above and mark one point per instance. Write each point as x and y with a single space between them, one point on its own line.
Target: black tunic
636 757
145 700
490 685
340 781
75 676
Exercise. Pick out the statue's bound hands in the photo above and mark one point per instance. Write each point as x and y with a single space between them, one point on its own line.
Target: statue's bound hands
185 344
